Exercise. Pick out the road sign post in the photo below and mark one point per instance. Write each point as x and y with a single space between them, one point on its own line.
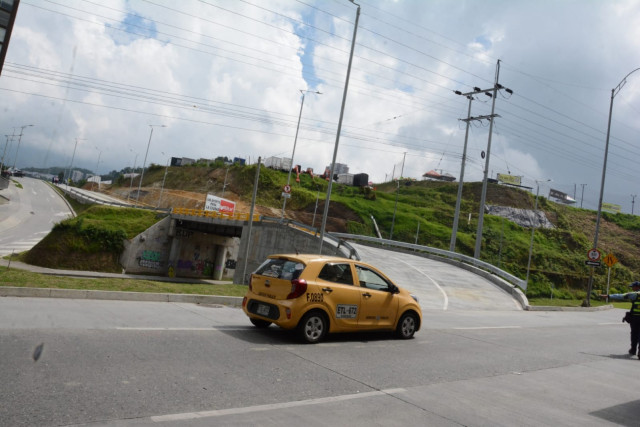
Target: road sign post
610 260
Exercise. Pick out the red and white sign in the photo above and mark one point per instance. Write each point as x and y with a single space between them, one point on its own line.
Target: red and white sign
287 189
594 255
217 204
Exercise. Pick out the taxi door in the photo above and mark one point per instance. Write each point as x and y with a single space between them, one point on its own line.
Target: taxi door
341 296
379 305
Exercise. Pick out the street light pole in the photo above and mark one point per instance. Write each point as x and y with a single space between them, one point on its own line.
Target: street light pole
145 162
19 140
166 169
614 92
132 172
395 207
295 140
73 156
3 153
97 165
335 149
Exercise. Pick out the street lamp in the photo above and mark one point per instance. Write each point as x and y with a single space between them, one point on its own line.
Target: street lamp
335 149
614 92
97 164
72 157
4 152
19 140
132 172
533 229
145 162
166 169
295 140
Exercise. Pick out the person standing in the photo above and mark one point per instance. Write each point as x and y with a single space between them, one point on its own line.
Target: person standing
633 316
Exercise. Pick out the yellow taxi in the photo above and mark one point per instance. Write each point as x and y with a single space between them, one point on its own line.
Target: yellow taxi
317 294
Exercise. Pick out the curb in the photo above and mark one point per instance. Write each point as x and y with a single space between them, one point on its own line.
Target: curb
555 308
119 296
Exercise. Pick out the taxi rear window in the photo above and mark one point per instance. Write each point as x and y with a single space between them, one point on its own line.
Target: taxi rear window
281 269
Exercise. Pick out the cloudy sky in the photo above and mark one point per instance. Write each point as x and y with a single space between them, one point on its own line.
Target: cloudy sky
225 78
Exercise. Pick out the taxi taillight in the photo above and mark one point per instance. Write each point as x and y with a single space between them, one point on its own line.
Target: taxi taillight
298 287
251 282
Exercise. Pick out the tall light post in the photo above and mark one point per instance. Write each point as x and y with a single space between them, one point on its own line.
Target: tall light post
395 207
132 172
295 140
614 92
533 229
97 165
166 169
335 149
73 156
19 140
4 152
145 161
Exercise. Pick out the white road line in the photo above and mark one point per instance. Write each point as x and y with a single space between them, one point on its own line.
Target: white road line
181 329
444 294
271 407
488 327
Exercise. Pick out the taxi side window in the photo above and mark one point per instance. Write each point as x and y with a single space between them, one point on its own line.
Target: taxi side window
337 273
371 280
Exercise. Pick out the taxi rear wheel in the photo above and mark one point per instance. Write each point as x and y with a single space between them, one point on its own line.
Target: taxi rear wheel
259 323
407 326
313 327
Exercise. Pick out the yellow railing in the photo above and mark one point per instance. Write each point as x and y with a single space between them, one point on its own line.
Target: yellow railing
212 214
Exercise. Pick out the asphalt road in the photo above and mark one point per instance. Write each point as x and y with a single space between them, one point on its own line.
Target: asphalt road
438 285
143 363
28 214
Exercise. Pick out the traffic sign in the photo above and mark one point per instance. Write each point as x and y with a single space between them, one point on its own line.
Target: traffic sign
610 260
594 255
592 263
286 195
287 188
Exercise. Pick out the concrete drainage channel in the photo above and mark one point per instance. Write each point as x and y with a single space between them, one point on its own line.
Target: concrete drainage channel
119 296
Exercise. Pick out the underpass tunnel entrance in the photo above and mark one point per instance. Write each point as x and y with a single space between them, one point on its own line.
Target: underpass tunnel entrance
202 250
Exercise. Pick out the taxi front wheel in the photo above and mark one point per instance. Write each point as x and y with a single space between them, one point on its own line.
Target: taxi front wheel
407 326
313 327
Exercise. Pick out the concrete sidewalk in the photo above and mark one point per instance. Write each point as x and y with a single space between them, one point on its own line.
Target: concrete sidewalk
112 295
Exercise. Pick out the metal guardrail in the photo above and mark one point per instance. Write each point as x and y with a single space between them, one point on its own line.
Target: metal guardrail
213 214
89 198
442 253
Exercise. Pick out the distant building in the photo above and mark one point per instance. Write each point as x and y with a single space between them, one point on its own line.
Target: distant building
77 176
432 174
340 168
182 161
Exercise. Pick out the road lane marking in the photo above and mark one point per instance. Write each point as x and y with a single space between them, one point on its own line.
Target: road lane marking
488 327
444 294
271 407
181 329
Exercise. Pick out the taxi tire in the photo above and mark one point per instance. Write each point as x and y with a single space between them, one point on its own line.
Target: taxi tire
259 323
313 327
407 326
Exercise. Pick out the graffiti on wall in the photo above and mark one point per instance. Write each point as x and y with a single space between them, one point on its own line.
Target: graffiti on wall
150 259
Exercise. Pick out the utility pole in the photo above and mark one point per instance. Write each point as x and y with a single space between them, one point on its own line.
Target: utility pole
335 148
393 220
456 215
582 197
492 93
633 201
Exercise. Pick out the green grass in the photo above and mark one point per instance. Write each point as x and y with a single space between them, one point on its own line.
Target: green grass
26 279
574 303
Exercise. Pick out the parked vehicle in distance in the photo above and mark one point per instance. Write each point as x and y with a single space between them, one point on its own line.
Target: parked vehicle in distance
317 294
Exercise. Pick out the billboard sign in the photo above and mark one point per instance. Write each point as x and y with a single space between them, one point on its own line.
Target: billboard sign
217 204
509 179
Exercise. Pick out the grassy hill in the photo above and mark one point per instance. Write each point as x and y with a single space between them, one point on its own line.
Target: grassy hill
558 256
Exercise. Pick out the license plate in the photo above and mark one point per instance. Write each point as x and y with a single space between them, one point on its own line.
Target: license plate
263 310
